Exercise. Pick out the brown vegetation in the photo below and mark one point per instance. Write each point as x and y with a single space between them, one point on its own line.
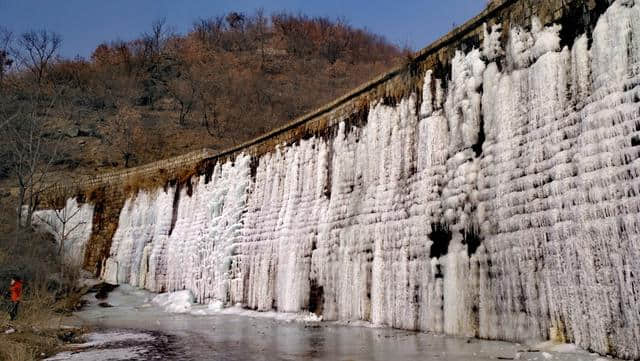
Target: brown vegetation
50 292
227 80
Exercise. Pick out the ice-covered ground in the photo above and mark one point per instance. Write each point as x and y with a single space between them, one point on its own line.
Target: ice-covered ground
222 335
106 354
174 302
112 345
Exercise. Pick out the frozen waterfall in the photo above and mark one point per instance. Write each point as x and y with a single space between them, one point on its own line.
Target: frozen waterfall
70 226
504 205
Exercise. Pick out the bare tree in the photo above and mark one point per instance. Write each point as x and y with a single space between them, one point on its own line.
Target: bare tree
6 38
29 149
261 26
63 222
32 156
158 37
125 132
6 61
37 51
210 31
211 78
9 106
183 89
6 119
335 42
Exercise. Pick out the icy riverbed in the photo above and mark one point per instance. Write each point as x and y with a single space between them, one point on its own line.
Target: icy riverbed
137 329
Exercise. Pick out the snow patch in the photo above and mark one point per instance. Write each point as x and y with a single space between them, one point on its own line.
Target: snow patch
98 339
215 306
104 343
175 302
112 354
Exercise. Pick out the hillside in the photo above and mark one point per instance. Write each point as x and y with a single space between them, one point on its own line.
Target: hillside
227 80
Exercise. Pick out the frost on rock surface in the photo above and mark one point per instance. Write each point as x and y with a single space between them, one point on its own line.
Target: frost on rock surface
71 225
505 205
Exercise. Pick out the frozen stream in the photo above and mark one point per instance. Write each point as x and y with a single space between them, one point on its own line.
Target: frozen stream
155 334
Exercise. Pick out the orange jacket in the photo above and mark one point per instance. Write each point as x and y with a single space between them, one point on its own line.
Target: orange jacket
16 291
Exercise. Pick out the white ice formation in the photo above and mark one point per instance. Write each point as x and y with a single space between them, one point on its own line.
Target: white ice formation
174 302
506 208
70 225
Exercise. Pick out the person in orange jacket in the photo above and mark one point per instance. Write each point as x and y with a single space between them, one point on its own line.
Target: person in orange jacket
16 296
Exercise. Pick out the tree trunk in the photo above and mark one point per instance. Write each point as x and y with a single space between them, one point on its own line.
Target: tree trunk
19 212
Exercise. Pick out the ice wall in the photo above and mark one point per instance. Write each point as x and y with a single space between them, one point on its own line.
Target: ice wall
182 236
505 205
70 225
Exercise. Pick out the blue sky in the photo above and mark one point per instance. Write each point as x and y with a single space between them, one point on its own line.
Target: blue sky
84 24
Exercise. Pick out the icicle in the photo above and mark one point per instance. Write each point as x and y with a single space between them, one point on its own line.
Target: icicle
415 222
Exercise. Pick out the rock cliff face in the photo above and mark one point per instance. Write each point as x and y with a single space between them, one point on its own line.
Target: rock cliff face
501 202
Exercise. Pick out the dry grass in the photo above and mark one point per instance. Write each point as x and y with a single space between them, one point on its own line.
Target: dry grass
38 325
12 350
37 328
27 345
47 295
159 178
132 184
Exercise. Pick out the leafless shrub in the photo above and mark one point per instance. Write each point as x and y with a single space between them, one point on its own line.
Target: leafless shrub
36 51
